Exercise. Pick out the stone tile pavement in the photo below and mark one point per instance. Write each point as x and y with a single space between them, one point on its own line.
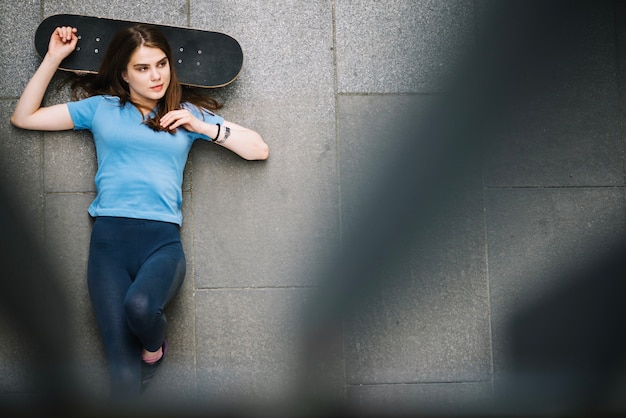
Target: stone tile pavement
329 84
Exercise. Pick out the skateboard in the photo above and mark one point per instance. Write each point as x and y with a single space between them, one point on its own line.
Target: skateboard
201 58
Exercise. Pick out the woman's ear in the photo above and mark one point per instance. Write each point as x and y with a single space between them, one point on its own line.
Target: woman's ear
125 76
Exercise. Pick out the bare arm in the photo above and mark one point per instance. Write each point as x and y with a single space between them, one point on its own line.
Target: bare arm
28 113
244 142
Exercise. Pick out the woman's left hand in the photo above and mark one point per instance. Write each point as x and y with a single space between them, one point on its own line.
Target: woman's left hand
181 118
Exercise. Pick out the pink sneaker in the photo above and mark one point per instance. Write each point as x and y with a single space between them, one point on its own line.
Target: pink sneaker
148 370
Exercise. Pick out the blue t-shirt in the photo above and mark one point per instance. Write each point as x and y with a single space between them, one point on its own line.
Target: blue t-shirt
140 171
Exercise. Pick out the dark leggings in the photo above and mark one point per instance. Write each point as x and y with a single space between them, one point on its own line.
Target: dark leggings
135 268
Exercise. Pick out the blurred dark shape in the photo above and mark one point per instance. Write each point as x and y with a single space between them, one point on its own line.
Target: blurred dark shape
34 305
517 54
503 71
567 348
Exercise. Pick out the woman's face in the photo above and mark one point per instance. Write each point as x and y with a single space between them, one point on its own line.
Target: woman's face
148 76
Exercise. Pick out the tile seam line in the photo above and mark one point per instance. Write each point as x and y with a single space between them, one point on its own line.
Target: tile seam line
459 382
192 234
339 196
337 95
63 192
552 187
207 289
189 13
619 82
485 220
42 143
389 94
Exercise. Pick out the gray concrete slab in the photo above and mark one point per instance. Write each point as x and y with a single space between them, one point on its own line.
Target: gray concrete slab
568 132
68 228
267 223
536 236
20 167
247 342
368 143
15 371
399 46
288 46
16 45
158 11
427 399
62 150
620 36
429 319
69 149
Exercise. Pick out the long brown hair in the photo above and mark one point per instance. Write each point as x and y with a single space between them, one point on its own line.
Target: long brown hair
109 79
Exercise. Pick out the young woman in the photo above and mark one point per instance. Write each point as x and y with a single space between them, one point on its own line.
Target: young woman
143 124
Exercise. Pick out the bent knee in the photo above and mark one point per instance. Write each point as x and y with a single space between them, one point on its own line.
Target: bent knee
139 310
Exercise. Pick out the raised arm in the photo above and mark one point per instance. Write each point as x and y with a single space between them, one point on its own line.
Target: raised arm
28 113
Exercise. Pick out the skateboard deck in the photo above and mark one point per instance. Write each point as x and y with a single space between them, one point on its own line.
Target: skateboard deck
201 58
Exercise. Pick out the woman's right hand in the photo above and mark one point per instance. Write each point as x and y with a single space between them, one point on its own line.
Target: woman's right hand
28 113
62 42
